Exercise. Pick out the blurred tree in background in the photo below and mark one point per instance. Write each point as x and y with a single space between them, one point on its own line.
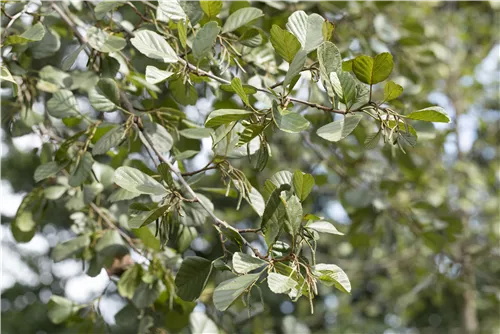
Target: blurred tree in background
421 221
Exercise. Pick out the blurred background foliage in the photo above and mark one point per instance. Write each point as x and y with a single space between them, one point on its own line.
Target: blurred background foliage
422 229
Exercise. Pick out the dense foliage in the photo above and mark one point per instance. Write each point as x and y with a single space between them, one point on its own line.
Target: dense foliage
194 148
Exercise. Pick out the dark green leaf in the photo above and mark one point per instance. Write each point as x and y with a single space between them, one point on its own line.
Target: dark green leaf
192 277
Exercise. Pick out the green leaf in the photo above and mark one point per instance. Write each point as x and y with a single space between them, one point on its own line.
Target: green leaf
48 46
224 116
238 88
105 96
205 40
154 46
54 192
129 281
110 139
182 32
250 132
307 28
338 130
403 128
392 91
81 171
192 277
105 7
136 181
59 309
228 291
295 67
285 43
244 263
303 184
196 133
104 42
280 283
48 170
211 8
147 217
146 294
111 244
373 70
372 139
33 34
344 86
5 75
69 248
159 136
289 121
273 217
330 274
431 114
240 18
294 214
327 30
192 10
147 237
63 104
154 75
324 227
71 58
248 89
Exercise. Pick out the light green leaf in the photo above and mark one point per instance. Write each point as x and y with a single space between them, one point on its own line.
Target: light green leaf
159 136
280 283
105 7
372 139
228 291
250 132
154 46
55 76
129 281
344 86
280 178
110 139
307 29
240 18
111 244
199 322
63 104
196 133
48 170
154 75
69 248
392 91
192 277
211 8
134 180
122 195
289 121
5 74
431 114
224 116
148 238
330 274
244 263
205 40
338 130
54 192
373 70
330 60
285 43
324 227
256 201
170 10
295 67
303 184
59 309
105 96
104 42
294 214
71 58
33 34
81 171
238 88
